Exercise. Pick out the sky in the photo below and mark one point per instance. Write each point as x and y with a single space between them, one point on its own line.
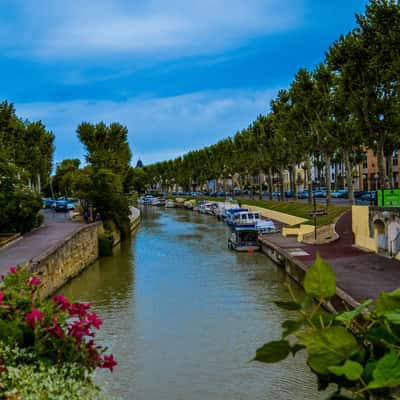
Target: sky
179 74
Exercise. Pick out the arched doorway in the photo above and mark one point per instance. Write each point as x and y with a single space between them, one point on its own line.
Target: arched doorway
379 234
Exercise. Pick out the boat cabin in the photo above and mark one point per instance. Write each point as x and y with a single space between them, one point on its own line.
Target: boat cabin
244 238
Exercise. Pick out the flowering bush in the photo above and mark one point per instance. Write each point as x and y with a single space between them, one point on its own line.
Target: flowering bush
53 332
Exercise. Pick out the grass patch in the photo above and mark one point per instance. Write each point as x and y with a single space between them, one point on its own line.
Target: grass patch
298 209
301 210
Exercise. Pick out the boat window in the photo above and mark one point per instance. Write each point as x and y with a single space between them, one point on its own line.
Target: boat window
257 216
243 216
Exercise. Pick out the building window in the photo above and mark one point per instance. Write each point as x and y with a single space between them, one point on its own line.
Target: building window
365 160
395 158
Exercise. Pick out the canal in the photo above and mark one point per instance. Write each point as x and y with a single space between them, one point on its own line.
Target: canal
183 315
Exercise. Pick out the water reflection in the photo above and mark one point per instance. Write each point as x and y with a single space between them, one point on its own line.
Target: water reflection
183 315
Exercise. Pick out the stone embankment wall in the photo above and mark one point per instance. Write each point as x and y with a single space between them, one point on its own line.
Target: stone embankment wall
65 261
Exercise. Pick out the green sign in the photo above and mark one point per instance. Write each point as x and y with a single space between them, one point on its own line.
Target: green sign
390 197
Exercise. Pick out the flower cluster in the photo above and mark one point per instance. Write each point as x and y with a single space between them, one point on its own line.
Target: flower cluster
61 331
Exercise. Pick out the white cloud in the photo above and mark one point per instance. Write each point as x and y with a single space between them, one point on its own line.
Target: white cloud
159 128
157 27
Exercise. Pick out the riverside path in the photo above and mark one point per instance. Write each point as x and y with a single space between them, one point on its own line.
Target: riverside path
55 229
362 275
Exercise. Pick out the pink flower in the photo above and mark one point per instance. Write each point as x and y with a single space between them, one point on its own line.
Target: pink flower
94 321
55 329
62 302
79 329
34 316
13 269
2 295
34 281
109 362
79 309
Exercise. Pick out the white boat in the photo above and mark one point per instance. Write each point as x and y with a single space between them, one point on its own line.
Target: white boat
207 208
146 199
170 204
243 218
244 238
223 207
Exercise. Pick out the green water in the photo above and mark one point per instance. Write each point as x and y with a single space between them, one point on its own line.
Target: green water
183 315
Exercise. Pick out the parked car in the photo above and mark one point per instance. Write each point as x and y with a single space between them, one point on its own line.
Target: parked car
302 194
61 206
359 193
369 197
319 193
340 194
48 202
289 194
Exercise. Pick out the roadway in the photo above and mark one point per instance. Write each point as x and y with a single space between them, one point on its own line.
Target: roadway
56 227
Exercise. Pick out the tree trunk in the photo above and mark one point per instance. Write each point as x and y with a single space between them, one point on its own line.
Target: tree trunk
270 184
260 185
282 196
328 179
381 166
336 177
309 181
389 159
294 182
349 175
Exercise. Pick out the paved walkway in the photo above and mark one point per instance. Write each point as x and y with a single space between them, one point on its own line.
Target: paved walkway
56 228
359 273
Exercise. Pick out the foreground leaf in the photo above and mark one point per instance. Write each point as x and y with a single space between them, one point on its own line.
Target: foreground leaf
328 347
290 327
351 370
388 302
320 280
273 352
349 315
386 372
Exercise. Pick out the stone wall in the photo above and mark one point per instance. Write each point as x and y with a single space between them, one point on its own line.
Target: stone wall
66 260
63 262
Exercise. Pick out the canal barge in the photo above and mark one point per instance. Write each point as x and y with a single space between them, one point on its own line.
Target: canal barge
244 238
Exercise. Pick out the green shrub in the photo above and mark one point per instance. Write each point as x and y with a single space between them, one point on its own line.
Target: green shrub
357 350
106 244
39 381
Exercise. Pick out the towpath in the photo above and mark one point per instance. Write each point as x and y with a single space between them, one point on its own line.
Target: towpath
54 231
359 273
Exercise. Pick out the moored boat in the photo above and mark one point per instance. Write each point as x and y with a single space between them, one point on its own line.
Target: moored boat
170 204
244 238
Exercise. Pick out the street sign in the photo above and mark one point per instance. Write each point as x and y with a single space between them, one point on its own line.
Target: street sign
318 213
389 197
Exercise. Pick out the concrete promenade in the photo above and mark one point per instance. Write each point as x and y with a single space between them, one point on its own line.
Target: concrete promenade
359 273
54 231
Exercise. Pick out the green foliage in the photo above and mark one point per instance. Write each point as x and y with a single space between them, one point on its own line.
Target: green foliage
106 243
19 206
27 145
107 146
66 177
356 350
273 352
102 183
38 381
320 280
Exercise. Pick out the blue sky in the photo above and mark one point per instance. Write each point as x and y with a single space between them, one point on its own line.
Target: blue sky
179 74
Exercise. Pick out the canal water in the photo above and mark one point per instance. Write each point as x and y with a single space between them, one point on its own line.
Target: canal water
183 315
